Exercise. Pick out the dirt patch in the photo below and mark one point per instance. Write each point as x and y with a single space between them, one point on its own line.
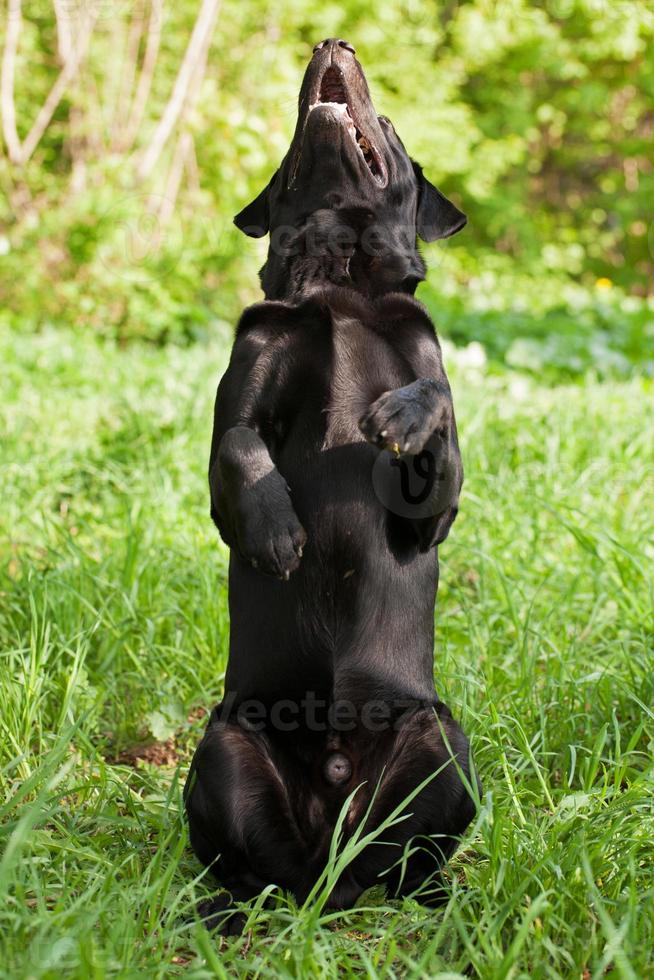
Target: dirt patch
166 754
198 714
163 754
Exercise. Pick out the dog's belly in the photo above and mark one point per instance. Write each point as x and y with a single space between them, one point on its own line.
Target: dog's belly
355 621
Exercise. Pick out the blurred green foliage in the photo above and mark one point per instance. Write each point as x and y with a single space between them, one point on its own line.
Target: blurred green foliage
536 116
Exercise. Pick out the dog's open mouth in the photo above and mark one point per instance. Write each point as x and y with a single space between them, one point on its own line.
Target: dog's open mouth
333 93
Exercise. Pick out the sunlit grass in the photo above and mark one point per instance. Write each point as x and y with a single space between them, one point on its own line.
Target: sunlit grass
113 627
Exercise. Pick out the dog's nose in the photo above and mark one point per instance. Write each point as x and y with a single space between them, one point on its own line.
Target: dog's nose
333 42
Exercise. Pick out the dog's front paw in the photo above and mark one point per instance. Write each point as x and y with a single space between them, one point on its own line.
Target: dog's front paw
403 419
268 531
275 548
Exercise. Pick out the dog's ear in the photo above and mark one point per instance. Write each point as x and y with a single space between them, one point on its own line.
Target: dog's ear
437 217
254 219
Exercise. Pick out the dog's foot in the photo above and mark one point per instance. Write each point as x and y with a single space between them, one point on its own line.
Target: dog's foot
268 532
402 420
219 915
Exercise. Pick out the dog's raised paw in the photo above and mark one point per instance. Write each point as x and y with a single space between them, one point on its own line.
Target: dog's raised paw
274 547
403 419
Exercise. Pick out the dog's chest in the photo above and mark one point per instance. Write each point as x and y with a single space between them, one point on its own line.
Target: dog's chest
361 369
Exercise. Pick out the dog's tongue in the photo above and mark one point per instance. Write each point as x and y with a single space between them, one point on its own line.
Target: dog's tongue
340 108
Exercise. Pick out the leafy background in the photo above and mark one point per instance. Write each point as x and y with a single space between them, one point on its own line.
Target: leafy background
536 117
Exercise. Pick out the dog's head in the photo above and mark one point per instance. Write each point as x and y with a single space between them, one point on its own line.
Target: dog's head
347 203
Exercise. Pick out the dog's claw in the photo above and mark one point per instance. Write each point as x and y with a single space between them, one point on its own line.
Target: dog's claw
402 420
268 534
300 551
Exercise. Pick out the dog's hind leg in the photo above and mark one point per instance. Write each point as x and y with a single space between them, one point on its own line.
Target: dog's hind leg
426 747
242 822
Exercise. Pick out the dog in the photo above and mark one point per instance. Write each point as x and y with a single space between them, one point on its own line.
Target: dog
334 475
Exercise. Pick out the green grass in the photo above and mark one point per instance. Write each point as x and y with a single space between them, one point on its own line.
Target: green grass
113 629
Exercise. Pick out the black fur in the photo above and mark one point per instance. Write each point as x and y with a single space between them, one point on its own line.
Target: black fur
335 392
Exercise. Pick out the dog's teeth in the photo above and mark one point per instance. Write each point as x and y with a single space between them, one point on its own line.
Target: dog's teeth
287 575
383 433
333 104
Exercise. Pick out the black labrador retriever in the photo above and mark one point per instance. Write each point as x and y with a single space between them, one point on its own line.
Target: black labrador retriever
334 474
